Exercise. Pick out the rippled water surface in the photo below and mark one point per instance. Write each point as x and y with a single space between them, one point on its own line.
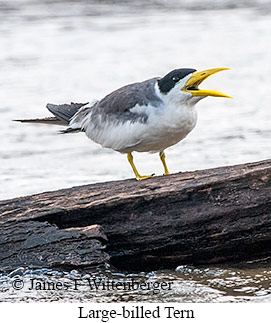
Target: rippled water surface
62 51
185 284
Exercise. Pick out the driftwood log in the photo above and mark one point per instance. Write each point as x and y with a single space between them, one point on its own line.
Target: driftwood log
202 217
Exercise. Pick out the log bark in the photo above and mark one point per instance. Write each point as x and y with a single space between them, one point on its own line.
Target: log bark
201 217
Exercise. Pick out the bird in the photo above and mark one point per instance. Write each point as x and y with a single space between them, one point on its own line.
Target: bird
147 116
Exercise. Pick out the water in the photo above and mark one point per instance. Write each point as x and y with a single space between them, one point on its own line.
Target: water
62 51
186 284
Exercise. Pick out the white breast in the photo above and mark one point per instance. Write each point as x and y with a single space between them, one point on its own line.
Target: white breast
166 125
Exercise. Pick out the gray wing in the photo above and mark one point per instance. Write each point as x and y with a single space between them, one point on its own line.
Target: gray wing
120 102
64 112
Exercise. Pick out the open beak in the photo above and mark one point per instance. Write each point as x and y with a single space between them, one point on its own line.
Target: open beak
195 80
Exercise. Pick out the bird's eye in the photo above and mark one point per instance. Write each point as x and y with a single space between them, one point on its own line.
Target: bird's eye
175 79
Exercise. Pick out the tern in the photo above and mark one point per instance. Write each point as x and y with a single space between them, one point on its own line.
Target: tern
147 116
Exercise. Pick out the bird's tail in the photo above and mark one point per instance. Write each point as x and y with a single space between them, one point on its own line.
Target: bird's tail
62 114
48 120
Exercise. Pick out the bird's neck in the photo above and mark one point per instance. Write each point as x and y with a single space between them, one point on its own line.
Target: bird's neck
175 99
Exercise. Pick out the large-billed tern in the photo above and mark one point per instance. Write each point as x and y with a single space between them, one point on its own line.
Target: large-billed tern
148 116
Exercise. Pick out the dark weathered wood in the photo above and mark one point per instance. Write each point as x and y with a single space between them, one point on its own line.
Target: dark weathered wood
202 217
40 244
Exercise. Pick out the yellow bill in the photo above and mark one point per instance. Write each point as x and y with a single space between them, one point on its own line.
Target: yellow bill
197 78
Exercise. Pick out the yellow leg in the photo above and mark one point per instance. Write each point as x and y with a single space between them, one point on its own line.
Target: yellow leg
163 159
138 177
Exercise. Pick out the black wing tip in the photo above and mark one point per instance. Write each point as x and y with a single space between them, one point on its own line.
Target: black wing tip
48 105
69 130
24 120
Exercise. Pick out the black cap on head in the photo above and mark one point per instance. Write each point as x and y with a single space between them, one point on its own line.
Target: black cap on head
168 82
